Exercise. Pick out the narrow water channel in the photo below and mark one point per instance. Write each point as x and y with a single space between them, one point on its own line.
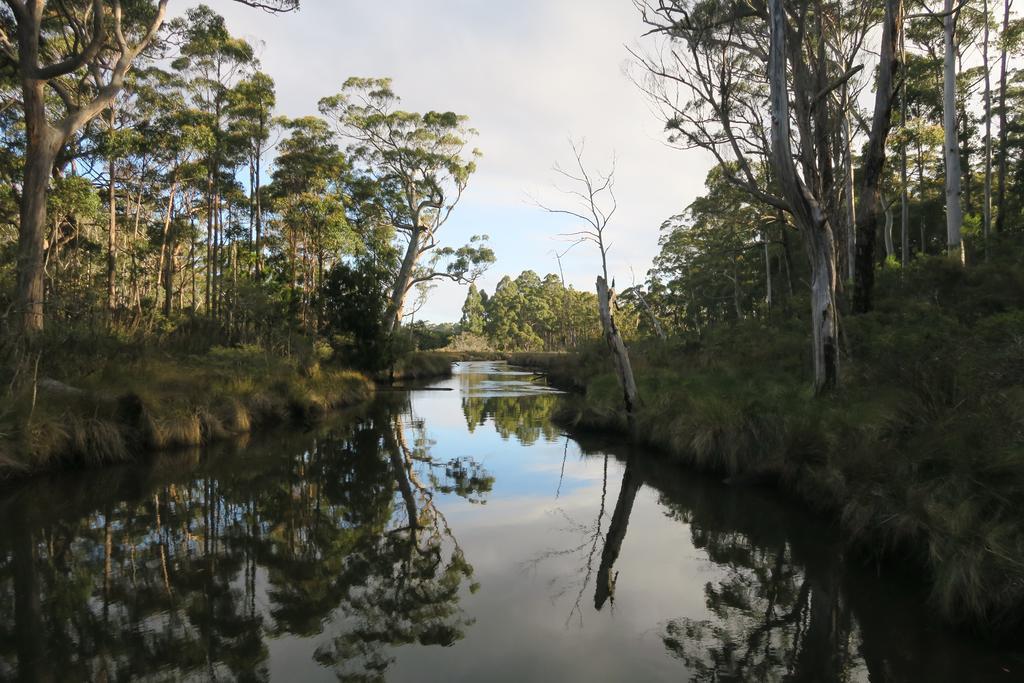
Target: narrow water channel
450 532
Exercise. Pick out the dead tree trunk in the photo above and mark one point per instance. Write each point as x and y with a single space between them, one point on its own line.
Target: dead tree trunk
623 368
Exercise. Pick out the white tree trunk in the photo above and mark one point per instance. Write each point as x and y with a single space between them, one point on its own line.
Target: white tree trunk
402 284
954 213
807 211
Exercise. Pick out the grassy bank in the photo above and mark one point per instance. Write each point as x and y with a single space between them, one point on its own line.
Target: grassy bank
920 454
130 405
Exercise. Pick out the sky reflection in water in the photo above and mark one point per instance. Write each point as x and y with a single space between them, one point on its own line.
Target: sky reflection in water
444 535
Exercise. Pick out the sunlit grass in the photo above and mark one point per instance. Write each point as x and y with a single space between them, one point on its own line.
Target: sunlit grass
126 409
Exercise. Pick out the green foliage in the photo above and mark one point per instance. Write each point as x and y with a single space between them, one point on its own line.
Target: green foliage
472 320
354 300
528 313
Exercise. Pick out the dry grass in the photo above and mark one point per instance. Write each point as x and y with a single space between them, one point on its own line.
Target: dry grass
126 410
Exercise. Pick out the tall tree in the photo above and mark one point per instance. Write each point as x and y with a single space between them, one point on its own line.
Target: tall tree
473 312
870 196
251 104
55 46
951 147
1004 49
421 167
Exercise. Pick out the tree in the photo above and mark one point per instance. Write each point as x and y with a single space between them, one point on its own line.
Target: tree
873 163
421 167
55 47
954 212
473 312
251 103
709 267
308 192
711 83
595 207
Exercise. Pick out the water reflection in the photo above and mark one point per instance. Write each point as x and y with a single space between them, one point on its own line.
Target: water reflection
192 574
785 604
493 393
391 545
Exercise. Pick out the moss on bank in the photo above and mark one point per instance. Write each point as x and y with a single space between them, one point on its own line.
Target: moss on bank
126 408
920 455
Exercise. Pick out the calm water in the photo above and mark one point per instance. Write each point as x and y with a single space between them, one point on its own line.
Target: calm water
451 533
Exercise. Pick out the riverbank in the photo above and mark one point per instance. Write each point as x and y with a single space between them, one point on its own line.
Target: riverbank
127 407
919 456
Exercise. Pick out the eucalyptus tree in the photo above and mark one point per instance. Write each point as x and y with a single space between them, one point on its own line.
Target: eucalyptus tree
251 104
71 59
1010 39
733 79
873 162
308 196
473 312
951 145
420 166
214 62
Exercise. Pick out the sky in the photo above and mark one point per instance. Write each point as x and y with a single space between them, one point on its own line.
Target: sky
530 74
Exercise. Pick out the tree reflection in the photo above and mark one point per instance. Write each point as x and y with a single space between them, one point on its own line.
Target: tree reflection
777 609
527 418
138 570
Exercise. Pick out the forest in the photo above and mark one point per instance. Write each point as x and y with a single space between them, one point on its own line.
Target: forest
838 314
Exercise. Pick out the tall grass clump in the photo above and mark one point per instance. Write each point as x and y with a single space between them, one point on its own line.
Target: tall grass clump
124 406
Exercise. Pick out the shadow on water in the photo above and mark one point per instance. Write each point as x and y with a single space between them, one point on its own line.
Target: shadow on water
789 605
200 565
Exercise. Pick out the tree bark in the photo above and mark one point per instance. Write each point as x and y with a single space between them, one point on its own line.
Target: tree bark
849 206
890 247
807 213
403 282
986 209
112 224
904 181
623 368
954 212
874 157
42 145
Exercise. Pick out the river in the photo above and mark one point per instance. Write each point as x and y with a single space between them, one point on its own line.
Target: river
447 532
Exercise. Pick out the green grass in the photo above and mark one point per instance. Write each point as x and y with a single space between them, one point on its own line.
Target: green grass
122 409
920 454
